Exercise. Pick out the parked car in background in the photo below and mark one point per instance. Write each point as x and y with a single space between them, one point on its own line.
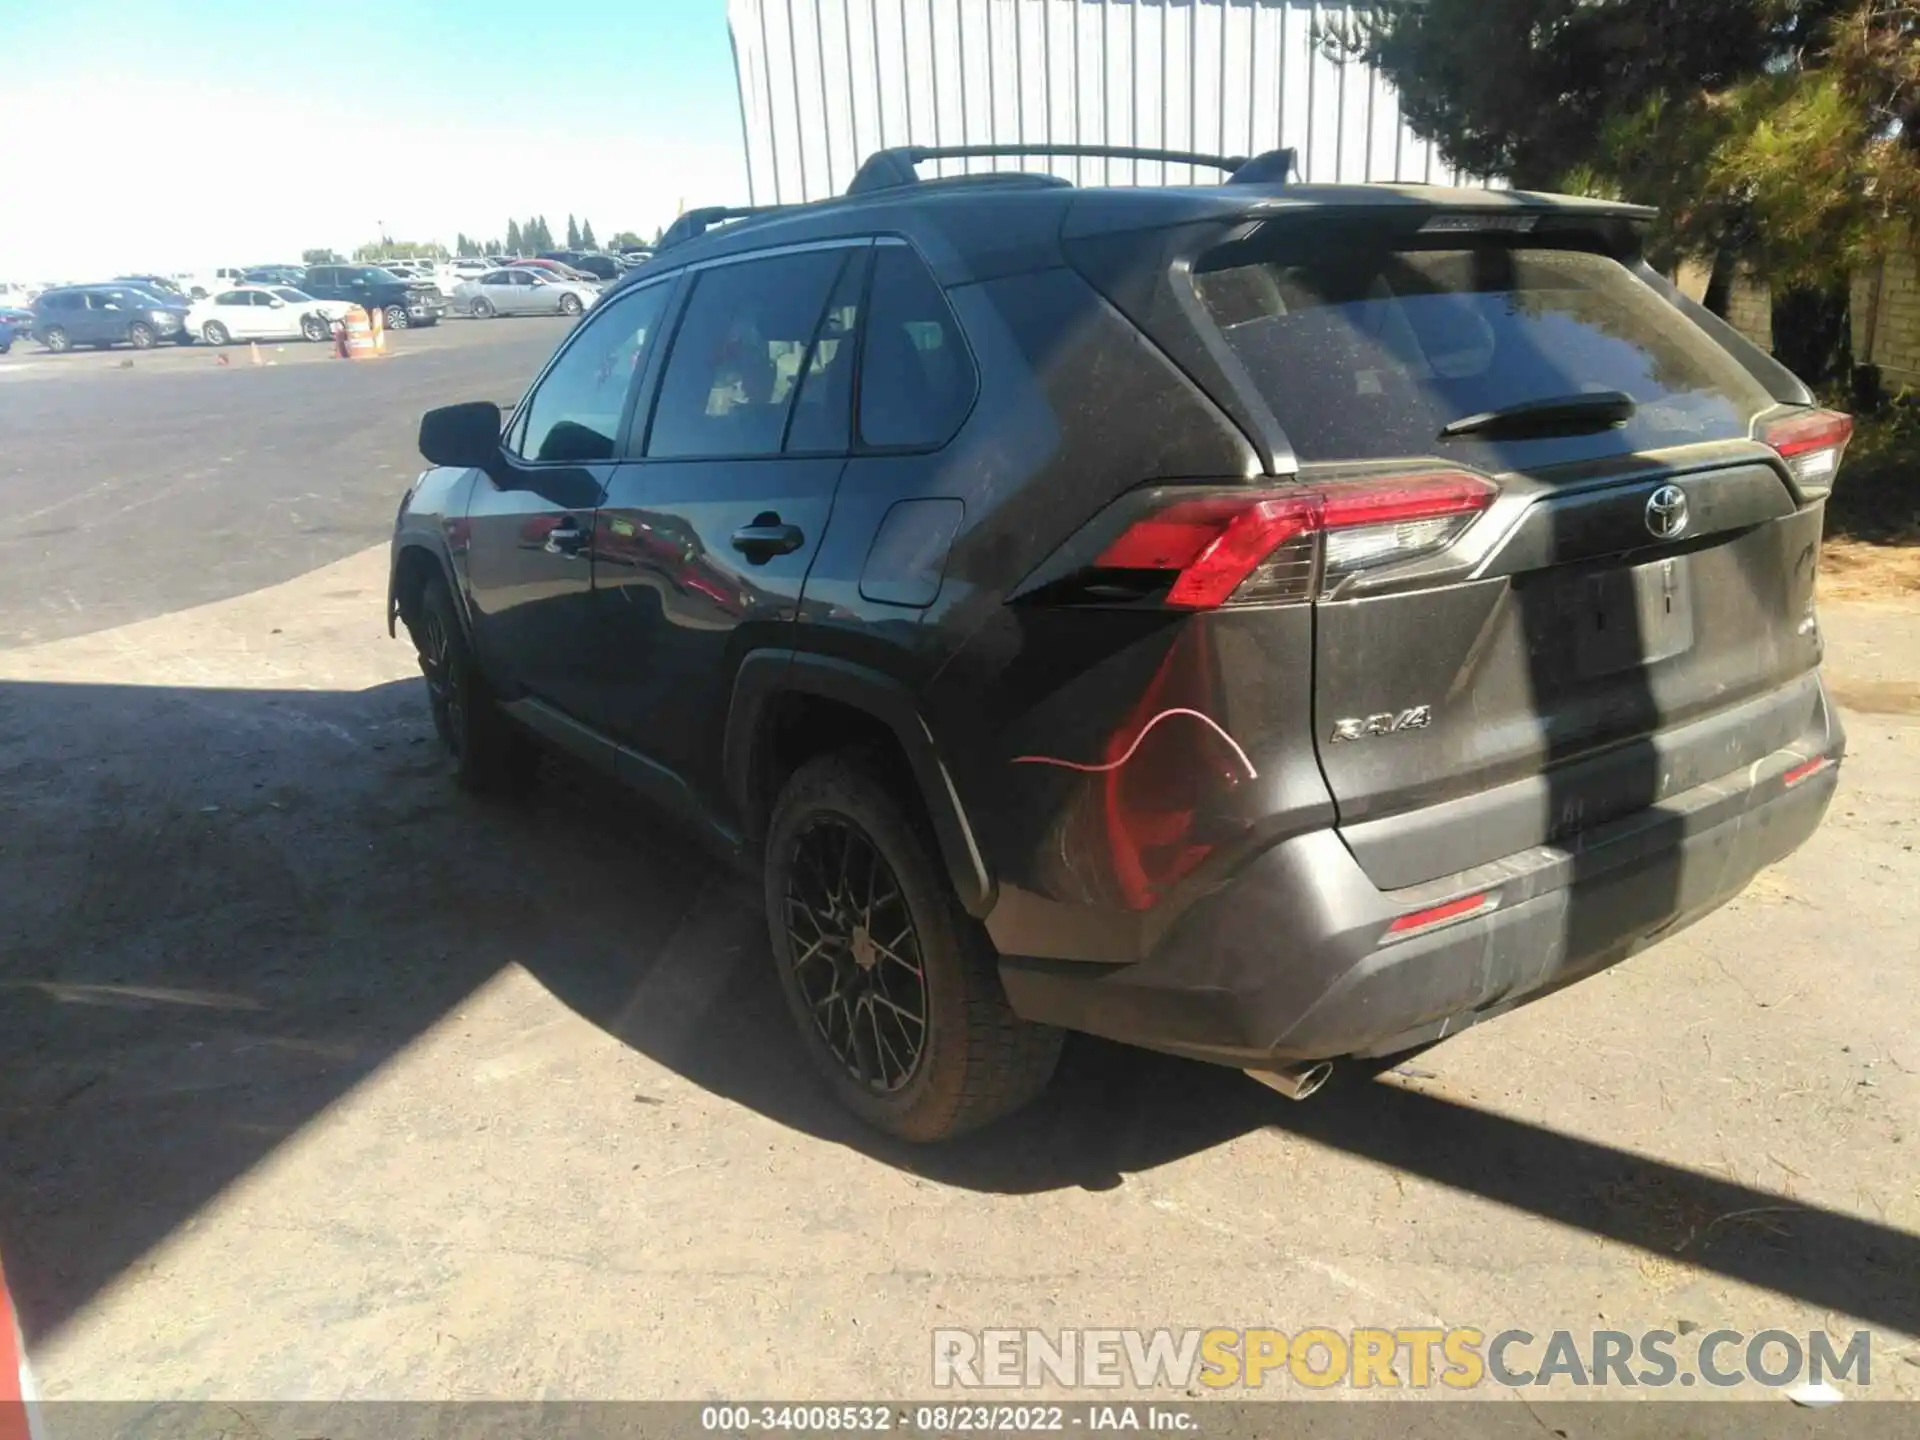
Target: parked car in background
452 273
159 284
518 290
264 312
276 275
591 262
401 301
106 315
15 321
553 267
202 283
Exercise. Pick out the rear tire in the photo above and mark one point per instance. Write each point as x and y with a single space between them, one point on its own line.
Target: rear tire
844 944
140 335
491 755
482 308
215 332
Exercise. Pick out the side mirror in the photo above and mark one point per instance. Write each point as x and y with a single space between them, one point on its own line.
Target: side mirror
277 304
466 435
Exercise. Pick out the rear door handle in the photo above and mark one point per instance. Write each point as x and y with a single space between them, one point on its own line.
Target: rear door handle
767 537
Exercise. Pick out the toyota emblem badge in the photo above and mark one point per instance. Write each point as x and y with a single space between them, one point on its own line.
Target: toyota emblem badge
1667 512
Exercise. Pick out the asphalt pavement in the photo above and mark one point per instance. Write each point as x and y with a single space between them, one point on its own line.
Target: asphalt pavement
134 484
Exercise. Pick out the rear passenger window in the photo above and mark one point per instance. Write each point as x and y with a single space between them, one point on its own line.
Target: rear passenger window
737 358
574 413
916 376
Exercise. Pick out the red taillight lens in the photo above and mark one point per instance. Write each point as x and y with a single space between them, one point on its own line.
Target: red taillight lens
1811 444
1260 548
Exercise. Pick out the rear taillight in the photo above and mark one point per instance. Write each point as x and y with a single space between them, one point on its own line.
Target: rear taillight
1811 444
1270 548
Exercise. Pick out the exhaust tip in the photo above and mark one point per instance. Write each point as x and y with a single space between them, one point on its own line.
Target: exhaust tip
1296 1082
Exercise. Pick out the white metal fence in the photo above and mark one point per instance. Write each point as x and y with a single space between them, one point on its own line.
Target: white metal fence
824 83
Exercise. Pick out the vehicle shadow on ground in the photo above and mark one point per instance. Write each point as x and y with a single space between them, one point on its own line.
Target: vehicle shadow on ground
227 908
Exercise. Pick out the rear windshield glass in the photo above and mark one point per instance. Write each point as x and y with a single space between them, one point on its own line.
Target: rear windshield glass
1366 353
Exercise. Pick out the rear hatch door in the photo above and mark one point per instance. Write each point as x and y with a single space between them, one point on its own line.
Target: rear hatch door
1631 617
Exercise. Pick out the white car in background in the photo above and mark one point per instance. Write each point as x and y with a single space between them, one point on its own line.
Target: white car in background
451 274
201 283
264 312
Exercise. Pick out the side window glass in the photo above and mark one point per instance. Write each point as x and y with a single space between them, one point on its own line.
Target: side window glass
574 413
917 379
823 410
230 297
736 360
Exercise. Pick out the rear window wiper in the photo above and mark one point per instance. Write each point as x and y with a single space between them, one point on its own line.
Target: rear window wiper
1561 415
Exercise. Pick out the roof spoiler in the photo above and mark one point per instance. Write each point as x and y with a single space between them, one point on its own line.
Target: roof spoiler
890 169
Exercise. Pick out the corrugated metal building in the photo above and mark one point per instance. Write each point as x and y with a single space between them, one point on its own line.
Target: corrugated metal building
824 83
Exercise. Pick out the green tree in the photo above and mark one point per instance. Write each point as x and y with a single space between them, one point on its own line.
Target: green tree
320 257
573 233
515 242
587 241
537 234
623 239
1784 134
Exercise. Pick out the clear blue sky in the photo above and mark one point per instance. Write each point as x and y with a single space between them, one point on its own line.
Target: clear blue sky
182 133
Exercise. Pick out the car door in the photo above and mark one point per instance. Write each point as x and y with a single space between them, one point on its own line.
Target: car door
250 315
109 313
530 522
273 318
229 310
525 294
507 292
703 543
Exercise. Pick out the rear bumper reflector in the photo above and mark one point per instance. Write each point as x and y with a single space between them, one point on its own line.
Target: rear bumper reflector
1418 922
1806 770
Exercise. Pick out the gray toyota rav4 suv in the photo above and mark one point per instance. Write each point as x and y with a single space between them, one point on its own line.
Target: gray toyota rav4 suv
1267 623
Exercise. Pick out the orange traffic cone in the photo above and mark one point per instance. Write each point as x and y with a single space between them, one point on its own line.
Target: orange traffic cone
379 318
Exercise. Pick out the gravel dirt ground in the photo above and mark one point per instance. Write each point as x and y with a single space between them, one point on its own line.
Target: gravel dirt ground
323 1081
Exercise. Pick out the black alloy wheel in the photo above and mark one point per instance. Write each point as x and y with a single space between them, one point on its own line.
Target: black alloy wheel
855 954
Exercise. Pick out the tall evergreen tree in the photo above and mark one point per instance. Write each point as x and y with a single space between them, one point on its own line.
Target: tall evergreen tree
514 241
587 241
573 233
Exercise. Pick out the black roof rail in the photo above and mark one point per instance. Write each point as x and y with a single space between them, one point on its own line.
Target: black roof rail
692 224
886 169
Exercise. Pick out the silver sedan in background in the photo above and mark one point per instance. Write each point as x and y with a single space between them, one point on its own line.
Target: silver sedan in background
522 291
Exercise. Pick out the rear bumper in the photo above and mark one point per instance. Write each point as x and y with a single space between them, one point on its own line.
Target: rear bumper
1293 960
